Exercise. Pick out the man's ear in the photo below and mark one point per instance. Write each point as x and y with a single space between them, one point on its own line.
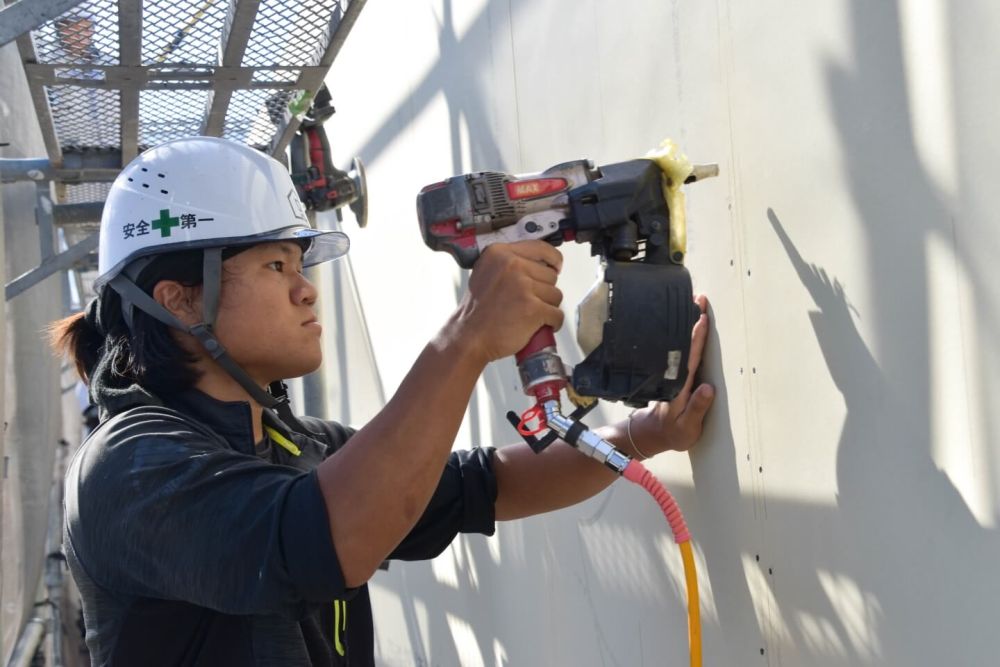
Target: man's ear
180 300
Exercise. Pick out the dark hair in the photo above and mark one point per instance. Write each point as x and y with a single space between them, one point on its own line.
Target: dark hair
109 355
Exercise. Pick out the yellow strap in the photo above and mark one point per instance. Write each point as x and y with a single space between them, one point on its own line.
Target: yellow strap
283 441
336 625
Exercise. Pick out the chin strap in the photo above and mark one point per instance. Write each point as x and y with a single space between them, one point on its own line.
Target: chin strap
279 392
132 297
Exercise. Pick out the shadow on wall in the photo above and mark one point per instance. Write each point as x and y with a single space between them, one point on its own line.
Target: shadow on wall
452 75
913 552
901 551
910 540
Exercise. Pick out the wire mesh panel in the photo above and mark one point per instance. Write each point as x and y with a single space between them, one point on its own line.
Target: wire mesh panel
82 193
182 31
292 32
254 114
169 114
179 43
85 117
171 50
85 35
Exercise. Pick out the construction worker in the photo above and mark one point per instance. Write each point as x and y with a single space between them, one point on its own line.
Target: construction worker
85 115
208 525
75 31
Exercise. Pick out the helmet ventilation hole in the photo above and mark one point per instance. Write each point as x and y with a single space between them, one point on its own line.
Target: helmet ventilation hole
146 185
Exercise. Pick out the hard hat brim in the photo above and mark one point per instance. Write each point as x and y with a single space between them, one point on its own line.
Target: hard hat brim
323 245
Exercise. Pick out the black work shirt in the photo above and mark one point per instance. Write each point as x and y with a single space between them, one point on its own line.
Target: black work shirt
189 549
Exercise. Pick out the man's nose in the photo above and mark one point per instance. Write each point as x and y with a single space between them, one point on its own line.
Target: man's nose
305 292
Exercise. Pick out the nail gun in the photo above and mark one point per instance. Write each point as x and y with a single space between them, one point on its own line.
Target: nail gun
635 324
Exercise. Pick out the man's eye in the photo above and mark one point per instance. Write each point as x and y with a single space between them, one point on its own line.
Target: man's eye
277 265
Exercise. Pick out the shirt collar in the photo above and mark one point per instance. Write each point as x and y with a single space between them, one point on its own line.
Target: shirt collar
233 420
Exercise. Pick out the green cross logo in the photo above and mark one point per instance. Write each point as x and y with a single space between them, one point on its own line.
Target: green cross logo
165 222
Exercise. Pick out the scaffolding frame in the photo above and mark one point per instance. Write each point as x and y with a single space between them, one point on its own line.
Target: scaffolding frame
110 78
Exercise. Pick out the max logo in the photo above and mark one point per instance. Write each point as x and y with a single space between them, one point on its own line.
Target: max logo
538 187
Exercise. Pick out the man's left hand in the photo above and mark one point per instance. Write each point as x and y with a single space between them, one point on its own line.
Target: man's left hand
677 424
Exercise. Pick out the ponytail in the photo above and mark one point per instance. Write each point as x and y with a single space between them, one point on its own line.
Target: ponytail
110 356
78 338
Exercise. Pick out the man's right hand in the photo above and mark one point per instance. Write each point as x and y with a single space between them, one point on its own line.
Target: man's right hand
512 293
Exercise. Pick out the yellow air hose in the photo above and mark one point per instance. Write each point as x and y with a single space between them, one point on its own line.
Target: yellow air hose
637 473
694 611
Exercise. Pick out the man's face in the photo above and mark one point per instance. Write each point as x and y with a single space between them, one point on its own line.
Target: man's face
76 35
266 319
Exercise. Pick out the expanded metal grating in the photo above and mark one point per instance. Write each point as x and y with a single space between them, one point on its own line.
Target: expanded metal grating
82 193
169 114
184 31
254 115
291 32
85 117
118 76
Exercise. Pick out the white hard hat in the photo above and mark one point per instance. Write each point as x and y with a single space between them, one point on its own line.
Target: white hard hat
204 192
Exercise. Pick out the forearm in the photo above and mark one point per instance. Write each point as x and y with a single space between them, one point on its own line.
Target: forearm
529 483
377 486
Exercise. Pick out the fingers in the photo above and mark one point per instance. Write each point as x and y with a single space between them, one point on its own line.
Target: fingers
693 416
548 293
538 251
535 259
554 318
533 265
541 272
699 335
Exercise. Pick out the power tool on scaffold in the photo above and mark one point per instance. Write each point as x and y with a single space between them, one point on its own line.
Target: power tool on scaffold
320 185
635 324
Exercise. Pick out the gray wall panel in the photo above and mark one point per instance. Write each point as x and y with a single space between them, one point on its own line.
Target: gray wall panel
844 497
